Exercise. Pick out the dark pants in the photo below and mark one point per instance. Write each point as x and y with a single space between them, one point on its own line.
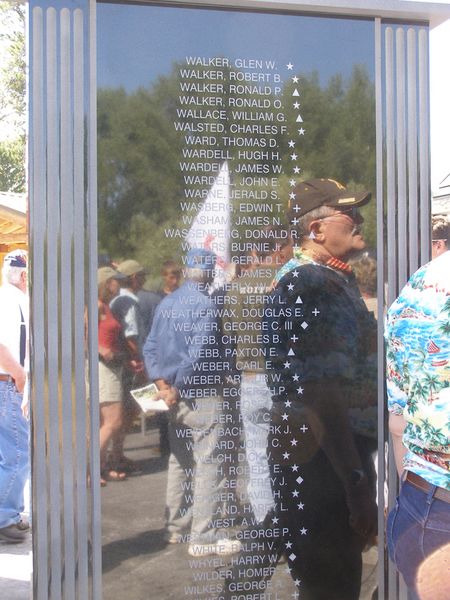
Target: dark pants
323 551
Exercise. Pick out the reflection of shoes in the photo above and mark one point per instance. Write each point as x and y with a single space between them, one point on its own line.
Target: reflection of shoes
12 534
23 524
222 547
128 465
113 475
172 538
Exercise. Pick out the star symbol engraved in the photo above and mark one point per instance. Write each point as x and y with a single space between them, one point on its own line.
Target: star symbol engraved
287 364
287 569
275 520
296 105
288 545
301 506
301 131
292 195
288 404
294 442
290 66
285 416
294 468
297 582
296 377
295 79
303 531
294 156
294 273
286 455
292 182
300 390
290 286
291 143
295 493
297 170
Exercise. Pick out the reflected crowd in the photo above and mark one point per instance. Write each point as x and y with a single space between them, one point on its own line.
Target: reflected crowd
268 381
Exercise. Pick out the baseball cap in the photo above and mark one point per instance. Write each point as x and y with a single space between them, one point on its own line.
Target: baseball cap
309 195
16 258
130 267
199 258
105 273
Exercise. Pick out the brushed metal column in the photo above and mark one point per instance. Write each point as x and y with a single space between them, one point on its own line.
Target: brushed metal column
63 242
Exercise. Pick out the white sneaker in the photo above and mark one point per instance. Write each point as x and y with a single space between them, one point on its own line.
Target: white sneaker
224 547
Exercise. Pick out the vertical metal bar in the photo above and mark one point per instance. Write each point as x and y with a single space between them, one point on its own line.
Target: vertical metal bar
82 516
391 250
66 305
412 152
37 241
381 568
390 166
52 252
400 75
424 149
92 229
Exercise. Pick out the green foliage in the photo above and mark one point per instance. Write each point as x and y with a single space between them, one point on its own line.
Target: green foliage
141 183
12 165
12 96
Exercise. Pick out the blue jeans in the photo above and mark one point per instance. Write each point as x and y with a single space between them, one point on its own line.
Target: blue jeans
418 529
14 454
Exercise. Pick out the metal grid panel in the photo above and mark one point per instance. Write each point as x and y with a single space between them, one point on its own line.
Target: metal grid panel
62 132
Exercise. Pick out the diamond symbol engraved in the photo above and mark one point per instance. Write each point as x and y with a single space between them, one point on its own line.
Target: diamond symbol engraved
292 556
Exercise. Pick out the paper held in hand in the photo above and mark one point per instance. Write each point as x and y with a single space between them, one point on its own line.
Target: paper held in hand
145 397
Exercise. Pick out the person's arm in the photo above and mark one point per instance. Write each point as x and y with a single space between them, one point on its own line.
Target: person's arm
13 368
397 426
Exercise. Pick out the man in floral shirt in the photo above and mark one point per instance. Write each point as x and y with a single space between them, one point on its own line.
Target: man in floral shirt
418 386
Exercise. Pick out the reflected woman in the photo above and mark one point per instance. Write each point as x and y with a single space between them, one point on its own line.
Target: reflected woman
110 355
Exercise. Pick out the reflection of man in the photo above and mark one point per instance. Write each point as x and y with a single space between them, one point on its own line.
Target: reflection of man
322 418
126 310
249 297
183 355
440 229
14 453
418 386
171 277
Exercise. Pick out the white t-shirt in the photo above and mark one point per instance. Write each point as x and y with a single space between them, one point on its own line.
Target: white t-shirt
11 301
